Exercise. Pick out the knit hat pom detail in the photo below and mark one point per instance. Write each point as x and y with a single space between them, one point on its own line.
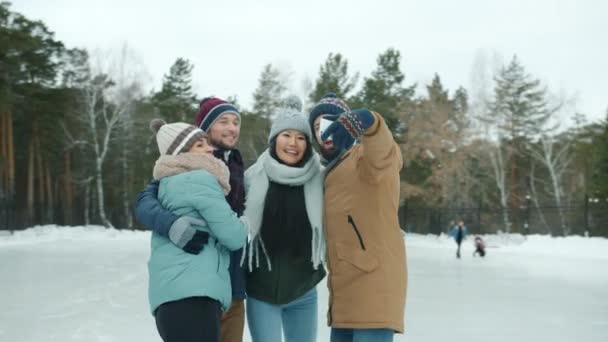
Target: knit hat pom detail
292 102
289 115
156 124
205 100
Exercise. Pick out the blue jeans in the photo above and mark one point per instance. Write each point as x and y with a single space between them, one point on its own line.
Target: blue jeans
297 320
361 335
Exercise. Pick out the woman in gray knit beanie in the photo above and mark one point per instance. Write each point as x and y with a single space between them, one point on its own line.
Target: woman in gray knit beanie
284 209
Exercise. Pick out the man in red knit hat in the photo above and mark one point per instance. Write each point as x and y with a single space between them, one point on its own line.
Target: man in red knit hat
222 123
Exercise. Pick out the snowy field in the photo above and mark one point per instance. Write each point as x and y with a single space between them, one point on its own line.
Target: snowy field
89 284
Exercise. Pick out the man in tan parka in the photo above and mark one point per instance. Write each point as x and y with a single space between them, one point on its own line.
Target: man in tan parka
365 248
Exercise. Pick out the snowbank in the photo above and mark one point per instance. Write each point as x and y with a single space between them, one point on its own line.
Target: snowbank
571 246
50 233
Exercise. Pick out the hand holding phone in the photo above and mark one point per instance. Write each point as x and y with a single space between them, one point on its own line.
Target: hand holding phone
323 124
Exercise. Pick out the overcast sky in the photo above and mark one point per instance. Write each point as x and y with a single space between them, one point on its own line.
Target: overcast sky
562 42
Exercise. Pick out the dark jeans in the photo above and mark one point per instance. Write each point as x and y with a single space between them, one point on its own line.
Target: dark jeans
193 319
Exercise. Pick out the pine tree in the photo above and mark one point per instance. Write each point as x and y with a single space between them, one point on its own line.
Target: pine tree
435 147
269 93
254 136
333 78
455 107
176 101
521 112
460 115
436 93
600 165
234 100
30 105
520 103
384 92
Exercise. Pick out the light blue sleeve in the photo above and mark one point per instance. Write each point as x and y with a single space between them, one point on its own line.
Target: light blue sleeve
208 199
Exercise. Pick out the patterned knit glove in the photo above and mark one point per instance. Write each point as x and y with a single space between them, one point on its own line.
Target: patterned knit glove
186 237
348 126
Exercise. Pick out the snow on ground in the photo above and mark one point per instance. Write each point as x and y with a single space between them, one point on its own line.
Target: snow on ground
89 284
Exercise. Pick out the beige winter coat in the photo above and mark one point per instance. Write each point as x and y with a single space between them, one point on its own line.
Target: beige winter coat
366 251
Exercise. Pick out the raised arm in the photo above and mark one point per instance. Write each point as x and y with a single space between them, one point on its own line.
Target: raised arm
380 152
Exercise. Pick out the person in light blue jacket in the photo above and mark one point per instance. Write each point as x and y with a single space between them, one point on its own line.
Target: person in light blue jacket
459 232
188 292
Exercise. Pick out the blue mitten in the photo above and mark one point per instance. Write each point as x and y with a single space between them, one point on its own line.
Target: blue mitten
348 127
186 237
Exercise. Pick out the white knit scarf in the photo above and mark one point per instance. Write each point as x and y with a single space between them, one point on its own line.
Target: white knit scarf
257 179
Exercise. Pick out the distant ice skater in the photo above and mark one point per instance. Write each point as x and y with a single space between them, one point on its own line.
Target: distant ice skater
459 232
480 247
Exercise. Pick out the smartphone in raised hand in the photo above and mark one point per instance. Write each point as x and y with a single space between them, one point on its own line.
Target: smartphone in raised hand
323 125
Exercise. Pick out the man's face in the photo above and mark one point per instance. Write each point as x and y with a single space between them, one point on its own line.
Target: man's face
327 147
225 132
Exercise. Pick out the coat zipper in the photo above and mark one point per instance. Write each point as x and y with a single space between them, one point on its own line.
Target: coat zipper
352 223
329 285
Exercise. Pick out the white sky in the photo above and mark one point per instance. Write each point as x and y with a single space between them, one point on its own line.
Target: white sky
562 42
